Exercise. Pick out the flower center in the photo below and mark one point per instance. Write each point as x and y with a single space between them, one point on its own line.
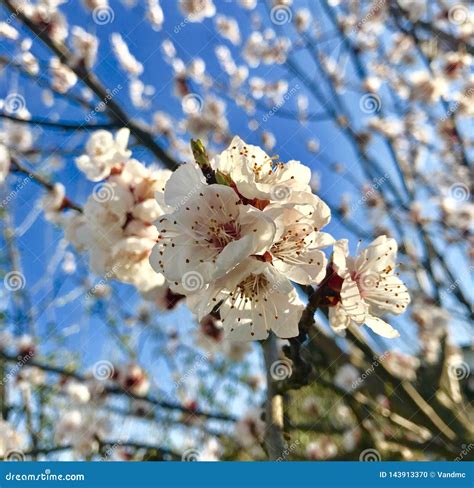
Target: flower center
222 234
253 286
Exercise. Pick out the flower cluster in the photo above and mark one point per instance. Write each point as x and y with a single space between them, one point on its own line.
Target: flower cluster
237 242
242 228
116 227
233 234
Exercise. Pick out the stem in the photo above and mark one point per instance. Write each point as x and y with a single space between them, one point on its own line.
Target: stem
274 441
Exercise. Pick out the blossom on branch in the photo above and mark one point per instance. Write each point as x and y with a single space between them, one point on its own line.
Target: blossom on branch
366 287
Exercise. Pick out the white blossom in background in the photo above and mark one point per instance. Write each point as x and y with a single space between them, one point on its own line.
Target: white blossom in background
4 163
347 377
133 379
162 123
266 48
321 449
303 19
369 287
81 427
248 4
47 14
85 47
127 61
78 392
155 14
206 117
63 78
95 4
139 93
53 201
197 10
10 439
427 88
8 32
103 152
210 337
29 62
116 228
228 28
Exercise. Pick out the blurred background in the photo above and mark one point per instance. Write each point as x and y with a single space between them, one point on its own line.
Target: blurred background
376 97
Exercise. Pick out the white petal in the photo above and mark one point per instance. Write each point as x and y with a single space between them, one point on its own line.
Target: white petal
380 327
339 255
352 302
233 254
287 310
253 222
390 295
122 137
310 272
184 183
338 319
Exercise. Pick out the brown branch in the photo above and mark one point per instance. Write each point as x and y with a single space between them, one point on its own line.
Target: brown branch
115 390
60 125
115 110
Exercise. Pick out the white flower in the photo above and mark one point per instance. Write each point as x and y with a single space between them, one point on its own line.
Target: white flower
132 378
368 286
210 337
63 78
257 175
127 61
162 297
426 87
321 449
117 228
85 46
10 439
155 14
82 428
303 19
228 28
197 10
248 4
4 163
296 250
162 123
104 151
209 232
29 62
93 4
78 392
131 265
17 136
53 201
8 32
254 300
266 48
